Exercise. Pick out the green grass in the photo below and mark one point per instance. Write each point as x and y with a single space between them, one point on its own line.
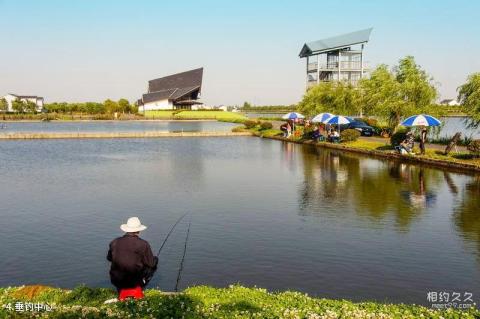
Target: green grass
207 302
196 115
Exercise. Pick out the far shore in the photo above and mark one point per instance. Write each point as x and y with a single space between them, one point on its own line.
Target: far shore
126 120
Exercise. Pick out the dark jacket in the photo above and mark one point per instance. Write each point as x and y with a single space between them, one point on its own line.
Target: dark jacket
132 261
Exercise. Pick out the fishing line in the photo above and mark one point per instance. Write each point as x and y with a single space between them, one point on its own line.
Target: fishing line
170 232
183 257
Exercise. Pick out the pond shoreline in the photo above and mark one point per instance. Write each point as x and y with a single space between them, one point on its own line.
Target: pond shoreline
417 159
234 301
95 135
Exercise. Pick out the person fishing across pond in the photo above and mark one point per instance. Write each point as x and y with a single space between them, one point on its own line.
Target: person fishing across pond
423 140
132 261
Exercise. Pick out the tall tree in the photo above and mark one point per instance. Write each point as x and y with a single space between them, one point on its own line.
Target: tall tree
3 105
381 95
417 87
18 106
405 91
469 98
30 107
124 106
111 106
334 97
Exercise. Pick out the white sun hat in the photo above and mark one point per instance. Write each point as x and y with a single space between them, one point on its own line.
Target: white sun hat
133 225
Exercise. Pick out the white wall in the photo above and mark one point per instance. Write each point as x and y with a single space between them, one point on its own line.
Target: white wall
157 105
10 98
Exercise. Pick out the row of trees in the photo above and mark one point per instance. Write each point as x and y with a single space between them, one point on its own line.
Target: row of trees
18 106
249 107
109 106
469 98
390 93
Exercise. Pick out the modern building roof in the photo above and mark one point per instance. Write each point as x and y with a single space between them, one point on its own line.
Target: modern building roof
181 86
335 43
189 79
26 96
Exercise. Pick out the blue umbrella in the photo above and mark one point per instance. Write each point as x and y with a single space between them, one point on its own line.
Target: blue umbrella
338 119
293 116
322 118
421 120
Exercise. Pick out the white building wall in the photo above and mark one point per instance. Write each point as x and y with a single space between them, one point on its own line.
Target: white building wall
157 105
10 98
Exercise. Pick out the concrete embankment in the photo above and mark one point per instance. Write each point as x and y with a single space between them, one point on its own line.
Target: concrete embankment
151 134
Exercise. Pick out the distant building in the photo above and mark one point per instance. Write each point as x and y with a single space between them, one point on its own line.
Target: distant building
173 92
449 102
337 58
10 97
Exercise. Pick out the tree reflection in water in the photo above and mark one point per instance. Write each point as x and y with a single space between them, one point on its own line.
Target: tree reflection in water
467 214
372 188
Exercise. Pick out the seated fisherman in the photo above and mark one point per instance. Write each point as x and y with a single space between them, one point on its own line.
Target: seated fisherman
133 263
406 146
334 136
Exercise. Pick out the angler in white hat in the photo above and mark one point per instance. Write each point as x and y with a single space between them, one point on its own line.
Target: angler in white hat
132 260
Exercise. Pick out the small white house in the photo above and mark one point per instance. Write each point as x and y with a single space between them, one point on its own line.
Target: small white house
449 102
10 97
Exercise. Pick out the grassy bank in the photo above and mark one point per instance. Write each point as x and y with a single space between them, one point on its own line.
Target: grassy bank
196 115
69 117
207 302
461 160
150 115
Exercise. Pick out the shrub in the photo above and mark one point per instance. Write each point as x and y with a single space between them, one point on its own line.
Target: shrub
250 124
474 147
370 121
237 129
398 136
266 126
349 135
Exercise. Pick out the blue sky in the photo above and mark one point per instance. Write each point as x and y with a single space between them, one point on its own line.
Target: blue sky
92 50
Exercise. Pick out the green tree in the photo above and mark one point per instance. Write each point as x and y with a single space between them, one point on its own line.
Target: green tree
246 105
30 107
18 106
469 98
334 97
124 106
111 106
381 95
3 105
417 87
134 108
405 91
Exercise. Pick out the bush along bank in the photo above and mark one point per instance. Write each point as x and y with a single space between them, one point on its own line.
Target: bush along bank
462 161
205 302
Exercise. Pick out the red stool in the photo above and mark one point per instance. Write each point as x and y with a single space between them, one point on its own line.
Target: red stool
135 293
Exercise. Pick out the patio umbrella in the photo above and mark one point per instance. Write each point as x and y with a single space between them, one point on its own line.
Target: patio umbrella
421 120
339 120
293 116
322 118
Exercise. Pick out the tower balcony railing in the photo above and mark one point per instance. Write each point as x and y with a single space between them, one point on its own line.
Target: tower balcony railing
312 83
344 65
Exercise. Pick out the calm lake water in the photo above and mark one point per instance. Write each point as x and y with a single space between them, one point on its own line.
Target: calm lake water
263 212
116 126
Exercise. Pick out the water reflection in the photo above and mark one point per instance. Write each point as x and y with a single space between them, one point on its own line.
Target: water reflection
467 214
374 189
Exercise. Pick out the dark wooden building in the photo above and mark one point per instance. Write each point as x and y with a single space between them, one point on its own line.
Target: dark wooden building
177 91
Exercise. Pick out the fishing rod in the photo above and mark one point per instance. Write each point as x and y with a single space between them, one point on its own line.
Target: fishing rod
183 256
170 232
